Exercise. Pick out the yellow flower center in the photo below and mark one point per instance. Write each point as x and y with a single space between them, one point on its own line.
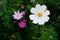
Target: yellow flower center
39 14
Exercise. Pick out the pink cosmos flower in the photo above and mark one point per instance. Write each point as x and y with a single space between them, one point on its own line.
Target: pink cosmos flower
22 23
18 15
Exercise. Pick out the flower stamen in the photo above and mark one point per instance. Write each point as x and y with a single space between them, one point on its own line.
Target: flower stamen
39 14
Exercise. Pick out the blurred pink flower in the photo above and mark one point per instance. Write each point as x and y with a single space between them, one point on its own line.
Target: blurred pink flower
22 23
18 15
22 6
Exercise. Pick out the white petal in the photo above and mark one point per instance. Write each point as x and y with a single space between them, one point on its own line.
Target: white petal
47 12
33 10
35 21
32 17
44 7
45 18
41 22
38 7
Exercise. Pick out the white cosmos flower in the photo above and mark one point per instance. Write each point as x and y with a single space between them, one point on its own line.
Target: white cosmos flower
40 14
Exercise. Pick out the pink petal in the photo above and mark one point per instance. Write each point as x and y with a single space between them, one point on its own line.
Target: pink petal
18 12
14 16
23 12
15 12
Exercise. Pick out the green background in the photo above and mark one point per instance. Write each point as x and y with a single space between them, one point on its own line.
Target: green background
9 26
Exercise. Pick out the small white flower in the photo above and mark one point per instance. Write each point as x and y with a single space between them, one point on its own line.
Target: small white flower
33 0
40 14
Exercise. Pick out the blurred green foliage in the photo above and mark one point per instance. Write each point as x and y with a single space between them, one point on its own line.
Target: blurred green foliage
9 26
